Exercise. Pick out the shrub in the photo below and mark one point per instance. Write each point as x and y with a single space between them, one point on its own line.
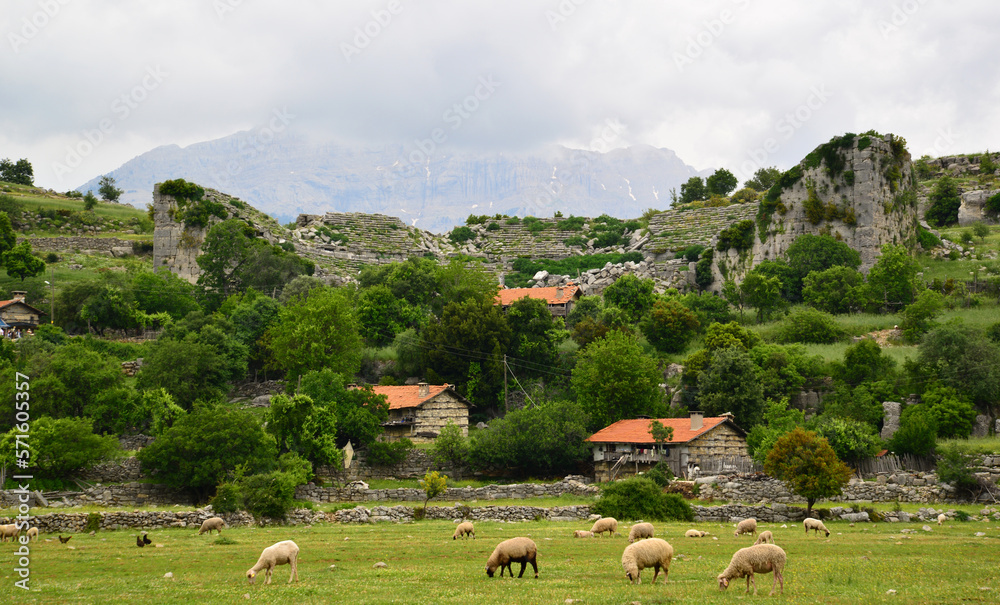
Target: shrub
955 467
691 253
93 522
738 236
228 499
462 234
641 498
945 200
389 453
928 240
660 474
992 206
809 325
268 495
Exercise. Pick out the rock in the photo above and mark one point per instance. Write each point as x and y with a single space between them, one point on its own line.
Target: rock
926 528
169 575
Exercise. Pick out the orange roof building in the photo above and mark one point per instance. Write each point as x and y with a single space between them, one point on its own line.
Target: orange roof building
16 313
560 299
419 412
627 447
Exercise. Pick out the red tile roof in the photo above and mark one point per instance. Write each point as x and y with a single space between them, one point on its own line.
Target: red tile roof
549 295
408 396
6 303
637 431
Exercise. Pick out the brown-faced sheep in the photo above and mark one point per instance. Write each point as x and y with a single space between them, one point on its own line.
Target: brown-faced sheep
761 558
764 538
640 531
215 523
463 530
654 552
816 525
606 524
9 531
276 554
515 550
746 526
583 534
695 533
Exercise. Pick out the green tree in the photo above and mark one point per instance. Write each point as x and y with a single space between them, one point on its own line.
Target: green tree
669 326
535 334
463 280
67 444
318 332
761 292
8 237
693 190
301 426
89 201
20 172
961 357
21 263
764 178
631 294
109 192
835 290
852 441
206 444
807 463
778 420
433 485
810 253
917 433
69 382
892 280
980 230
660 432
722 182
451 446
614 379
641 498
360 412
808 325
918 317
382 315
161 291
864 362
729 384
944 201
953 415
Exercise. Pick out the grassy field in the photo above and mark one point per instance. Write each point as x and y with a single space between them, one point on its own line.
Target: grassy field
855 565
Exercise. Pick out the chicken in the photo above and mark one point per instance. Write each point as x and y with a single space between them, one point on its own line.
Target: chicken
64 540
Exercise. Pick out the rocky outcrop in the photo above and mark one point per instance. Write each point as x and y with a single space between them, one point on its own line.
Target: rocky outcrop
973 208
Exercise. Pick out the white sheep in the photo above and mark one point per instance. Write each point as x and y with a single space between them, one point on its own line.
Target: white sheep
695 533
654 552
215 523
276 554
9 531
816 525
760 558
515 550
605 524
464 529
764 538
32 534
746 526
583 534
640 531
942 518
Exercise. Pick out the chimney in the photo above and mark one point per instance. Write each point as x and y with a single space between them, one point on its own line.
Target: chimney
18 295
423 390
559 291
696 418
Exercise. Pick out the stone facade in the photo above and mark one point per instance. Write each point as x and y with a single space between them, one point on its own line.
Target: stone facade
419 412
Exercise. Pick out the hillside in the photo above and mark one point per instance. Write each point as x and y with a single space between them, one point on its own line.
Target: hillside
289 175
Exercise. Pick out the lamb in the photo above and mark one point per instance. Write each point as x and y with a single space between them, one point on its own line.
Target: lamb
9 531
746 526
760 558
215 523
32 534
276 554
764 538
464 529
515 550
583 534
640 531
942 518
816 525
654 552
694 533
606 524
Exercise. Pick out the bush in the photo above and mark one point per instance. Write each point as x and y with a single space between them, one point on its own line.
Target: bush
917 433
660 474
93 522
459 235
228 499
955 467
927 239
809 325
268 495
389 453
640 498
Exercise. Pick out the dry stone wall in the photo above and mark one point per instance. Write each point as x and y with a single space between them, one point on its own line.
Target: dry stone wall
904 487
106 245
519 491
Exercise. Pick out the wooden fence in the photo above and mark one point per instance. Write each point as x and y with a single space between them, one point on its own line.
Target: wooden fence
892 463
728 465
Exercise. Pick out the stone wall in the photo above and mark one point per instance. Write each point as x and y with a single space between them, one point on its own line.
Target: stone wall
94 244
465 494
415 466
118 471
126 494
904 487
674 230
69 523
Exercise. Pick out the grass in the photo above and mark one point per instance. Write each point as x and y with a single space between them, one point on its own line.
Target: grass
972 445
855 565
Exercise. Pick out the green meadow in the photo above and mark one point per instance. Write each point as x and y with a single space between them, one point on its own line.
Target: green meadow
858 564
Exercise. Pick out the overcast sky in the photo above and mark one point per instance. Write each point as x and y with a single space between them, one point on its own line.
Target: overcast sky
86 85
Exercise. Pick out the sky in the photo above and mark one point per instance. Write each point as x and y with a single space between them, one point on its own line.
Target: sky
86 85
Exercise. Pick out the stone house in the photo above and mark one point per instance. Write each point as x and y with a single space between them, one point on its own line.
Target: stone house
627 448
18 314
560 299
419 412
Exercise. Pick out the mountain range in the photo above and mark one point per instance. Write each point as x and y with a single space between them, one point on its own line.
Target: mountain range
288 175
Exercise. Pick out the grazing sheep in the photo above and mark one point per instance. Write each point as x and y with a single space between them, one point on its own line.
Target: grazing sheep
760 558
464 529
215 523
515 550
654 552
942 518
606 524
640 531
816 525
9 531
583 534
32 534
276 554
695 533
746 526
764 538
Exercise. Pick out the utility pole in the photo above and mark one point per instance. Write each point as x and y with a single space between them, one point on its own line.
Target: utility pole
52 298
505 384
